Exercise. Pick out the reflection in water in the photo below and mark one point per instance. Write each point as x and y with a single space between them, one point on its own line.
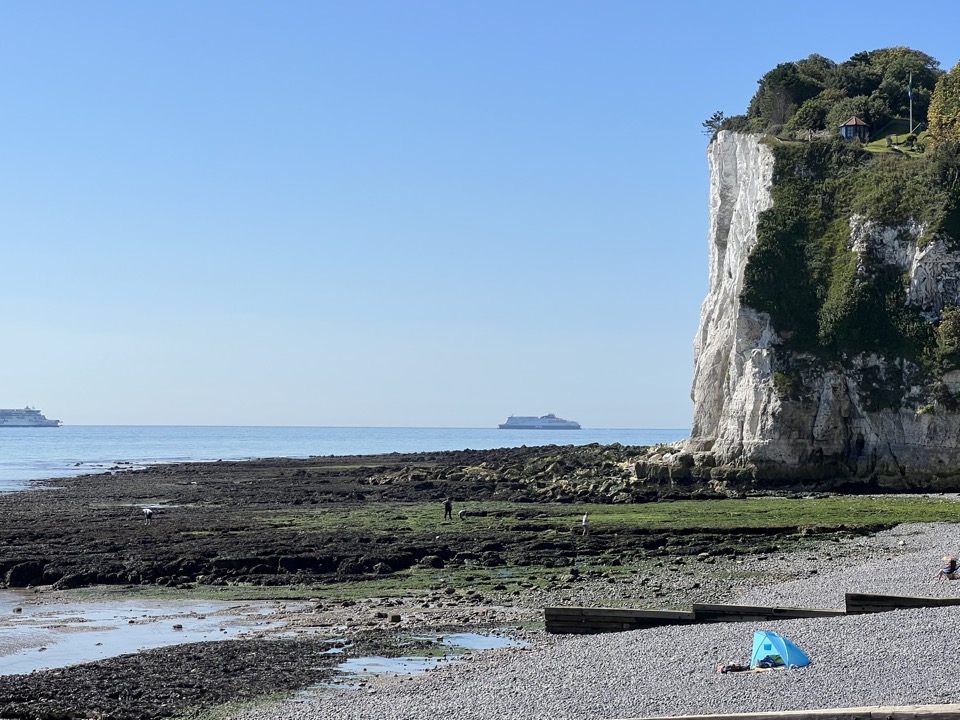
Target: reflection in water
355 671
41 635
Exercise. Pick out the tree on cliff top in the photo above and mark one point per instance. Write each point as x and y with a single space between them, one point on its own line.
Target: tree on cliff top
944 114
782 91
876 85
713 123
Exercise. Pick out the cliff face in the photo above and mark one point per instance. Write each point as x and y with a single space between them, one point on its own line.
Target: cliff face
769 416
732 392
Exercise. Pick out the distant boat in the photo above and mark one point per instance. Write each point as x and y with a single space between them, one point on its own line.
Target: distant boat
28 417
546 422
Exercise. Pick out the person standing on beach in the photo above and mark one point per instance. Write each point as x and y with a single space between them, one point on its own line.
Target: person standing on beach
448 509
585 523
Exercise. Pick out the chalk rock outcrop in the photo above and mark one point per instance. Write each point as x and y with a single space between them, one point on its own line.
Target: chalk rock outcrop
871 421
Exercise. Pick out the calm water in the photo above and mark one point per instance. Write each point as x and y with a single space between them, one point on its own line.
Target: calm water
38 453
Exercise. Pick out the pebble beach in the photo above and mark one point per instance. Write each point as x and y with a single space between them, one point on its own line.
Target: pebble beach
902 657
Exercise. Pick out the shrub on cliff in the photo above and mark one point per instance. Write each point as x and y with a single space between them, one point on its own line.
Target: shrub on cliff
948 338
822 296
944 113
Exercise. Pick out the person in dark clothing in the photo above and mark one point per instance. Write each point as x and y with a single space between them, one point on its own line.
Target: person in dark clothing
448 509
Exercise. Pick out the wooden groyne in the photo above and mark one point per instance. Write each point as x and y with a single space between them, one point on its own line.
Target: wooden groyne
590 620
587 621
748 613
862 603
876 712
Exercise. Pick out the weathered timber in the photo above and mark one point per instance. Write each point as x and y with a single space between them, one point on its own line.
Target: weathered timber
706 612
584 620
876 712
628 613
862 603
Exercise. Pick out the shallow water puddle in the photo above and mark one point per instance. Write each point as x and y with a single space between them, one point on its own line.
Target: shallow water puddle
49 634
477 641
355 671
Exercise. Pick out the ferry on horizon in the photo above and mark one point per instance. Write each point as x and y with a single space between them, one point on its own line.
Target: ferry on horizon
28 417
546 422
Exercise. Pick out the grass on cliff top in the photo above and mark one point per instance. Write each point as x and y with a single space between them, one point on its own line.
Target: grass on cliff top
897 131
768 513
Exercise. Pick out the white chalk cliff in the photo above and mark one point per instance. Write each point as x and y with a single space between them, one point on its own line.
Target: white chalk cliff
747 432
732 389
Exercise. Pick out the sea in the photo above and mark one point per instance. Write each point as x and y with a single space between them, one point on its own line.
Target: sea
30 454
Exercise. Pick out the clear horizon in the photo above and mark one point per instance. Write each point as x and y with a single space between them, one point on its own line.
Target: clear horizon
357 427
321 214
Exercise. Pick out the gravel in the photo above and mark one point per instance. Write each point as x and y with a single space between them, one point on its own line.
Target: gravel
896 658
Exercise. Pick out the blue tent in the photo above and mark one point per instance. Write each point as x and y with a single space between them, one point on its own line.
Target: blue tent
771 650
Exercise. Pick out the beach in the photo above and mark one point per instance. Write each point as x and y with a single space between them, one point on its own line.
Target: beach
280 571
896 658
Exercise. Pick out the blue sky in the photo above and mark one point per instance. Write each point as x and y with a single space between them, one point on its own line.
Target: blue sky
424 213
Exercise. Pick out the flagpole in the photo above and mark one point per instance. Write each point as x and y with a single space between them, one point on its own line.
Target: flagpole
910 95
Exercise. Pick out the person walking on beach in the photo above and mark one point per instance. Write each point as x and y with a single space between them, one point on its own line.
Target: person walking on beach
584 523
448 509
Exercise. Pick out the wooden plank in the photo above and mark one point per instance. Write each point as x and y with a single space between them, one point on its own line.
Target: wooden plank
596 624
747 613
618 612
640 614
732 618
631 622
861 603
586 620
563 629
727 607
558 611
560 619
806 612
704 609
876 712
611 620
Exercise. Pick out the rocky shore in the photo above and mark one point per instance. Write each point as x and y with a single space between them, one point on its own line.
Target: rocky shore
223 523
275 528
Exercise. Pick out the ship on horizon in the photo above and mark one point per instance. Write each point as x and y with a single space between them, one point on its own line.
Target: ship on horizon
545 422
28 417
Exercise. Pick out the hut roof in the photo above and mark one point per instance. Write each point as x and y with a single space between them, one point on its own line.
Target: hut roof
855 121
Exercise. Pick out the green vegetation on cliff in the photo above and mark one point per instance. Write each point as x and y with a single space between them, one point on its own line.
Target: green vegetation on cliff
945 109
817 94
825 297
822 295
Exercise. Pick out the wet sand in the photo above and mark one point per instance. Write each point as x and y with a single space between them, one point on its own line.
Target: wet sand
39 631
